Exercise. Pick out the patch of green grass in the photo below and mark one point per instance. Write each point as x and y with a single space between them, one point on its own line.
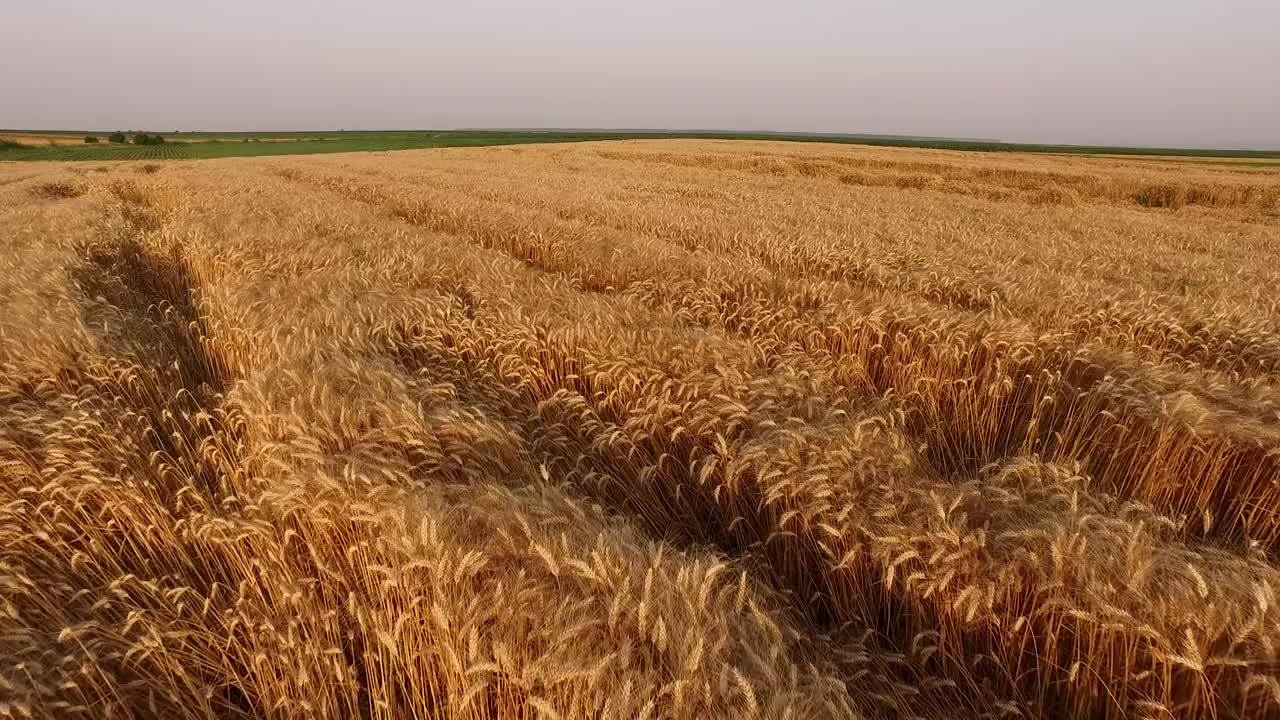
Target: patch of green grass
192 146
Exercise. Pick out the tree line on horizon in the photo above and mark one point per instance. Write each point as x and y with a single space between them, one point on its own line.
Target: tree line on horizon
120 138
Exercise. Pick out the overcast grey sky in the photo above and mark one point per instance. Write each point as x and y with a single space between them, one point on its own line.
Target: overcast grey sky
1151 72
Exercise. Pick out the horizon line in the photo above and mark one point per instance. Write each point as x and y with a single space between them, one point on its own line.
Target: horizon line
675 131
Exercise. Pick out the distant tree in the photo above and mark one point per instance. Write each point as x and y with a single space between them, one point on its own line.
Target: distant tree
91 139
117 137
157 139
145 139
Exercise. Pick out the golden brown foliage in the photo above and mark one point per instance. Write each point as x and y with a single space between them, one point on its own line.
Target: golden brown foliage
664 429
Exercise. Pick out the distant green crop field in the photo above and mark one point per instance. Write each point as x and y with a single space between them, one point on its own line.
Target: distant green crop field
194 146
97 152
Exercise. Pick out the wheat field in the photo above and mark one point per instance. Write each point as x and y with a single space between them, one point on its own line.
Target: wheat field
641 429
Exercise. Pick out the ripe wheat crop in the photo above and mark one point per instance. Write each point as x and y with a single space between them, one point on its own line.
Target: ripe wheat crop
643 429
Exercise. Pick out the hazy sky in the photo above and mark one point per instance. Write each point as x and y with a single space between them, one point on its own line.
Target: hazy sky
1153 72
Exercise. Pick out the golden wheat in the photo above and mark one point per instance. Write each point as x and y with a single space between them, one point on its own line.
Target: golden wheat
666 429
